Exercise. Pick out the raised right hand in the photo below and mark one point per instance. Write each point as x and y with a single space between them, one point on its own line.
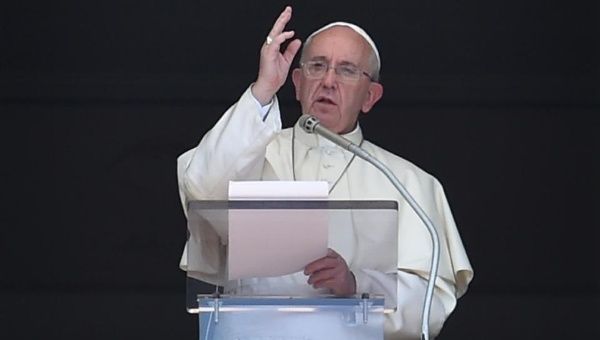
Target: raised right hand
274 65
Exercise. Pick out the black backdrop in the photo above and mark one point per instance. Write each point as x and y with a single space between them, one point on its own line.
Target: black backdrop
499 100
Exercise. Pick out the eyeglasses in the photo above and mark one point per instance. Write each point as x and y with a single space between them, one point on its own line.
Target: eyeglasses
348 73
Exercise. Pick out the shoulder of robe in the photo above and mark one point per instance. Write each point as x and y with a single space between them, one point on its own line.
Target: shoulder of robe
400 166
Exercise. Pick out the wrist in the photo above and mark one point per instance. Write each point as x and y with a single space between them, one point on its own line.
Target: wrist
261 93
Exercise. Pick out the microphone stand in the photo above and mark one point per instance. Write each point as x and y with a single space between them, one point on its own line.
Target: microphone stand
312 125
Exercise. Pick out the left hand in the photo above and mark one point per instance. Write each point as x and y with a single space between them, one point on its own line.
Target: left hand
331 272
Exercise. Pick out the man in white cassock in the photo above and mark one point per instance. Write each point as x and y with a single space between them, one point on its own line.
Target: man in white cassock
336 81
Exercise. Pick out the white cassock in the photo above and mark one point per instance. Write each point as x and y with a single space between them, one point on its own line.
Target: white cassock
241 146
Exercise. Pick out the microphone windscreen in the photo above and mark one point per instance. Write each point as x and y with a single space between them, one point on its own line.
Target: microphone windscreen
308 123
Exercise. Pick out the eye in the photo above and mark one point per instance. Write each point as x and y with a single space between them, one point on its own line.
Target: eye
318 66
347 70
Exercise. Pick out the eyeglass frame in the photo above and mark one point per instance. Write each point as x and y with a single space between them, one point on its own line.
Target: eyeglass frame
335 70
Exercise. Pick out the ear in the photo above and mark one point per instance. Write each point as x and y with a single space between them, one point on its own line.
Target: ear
296 79
373 95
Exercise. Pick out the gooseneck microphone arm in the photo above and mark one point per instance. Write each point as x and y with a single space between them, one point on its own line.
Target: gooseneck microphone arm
311 124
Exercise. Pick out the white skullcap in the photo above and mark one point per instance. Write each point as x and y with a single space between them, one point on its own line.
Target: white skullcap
355 29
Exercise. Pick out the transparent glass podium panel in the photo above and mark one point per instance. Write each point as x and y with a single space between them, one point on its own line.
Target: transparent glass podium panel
282 318
364 233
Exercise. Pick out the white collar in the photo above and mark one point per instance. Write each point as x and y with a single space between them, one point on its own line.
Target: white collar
312 140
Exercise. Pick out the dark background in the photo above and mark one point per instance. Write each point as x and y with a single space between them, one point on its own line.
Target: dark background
499 100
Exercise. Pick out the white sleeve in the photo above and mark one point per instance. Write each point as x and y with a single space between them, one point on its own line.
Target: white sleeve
264 110
409 292
233 149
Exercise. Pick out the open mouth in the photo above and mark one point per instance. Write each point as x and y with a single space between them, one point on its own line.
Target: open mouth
326 100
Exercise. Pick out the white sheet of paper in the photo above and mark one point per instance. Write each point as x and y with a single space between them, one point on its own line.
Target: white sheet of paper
278 190
266 243
275 242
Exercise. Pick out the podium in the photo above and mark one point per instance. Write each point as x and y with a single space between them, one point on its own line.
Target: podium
364 232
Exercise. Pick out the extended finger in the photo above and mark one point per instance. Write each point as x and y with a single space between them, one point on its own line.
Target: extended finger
321 276
321 264
291 50
279 39
330 283
281 21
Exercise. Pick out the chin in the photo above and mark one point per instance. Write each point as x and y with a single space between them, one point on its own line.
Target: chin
326 119
329 119
325 116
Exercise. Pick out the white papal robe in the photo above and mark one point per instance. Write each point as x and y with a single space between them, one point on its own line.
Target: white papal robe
244 146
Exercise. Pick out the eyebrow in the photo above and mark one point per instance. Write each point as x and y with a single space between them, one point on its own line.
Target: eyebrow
322 58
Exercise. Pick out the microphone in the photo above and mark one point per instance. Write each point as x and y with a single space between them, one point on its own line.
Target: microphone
311 124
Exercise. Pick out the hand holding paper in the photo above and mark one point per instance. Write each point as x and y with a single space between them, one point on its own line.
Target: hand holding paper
331 272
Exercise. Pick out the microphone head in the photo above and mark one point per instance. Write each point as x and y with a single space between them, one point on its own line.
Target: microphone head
308 123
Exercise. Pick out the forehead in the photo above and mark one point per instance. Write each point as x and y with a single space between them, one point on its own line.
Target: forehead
339 43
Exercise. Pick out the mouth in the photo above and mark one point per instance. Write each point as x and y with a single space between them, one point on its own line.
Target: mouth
325 100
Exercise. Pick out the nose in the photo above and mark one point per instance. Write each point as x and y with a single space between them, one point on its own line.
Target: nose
329 79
